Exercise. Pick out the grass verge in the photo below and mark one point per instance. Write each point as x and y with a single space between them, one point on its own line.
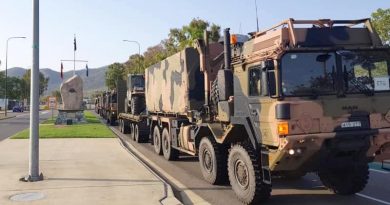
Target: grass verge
92 129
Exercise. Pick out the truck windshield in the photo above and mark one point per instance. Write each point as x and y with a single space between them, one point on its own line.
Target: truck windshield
366 71
308 74
138 81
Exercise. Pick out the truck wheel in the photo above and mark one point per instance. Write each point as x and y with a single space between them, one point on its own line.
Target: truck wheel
168 152
346 182
137 137
126 127
157 140
212 160
132 131
120 126
245 175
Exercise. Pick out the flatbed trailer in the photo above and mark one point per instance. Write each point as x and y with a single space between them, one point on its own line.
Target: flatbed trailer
135 125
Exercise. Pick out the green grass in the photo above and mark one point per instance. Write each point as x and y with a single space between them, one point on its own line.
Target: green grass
92 129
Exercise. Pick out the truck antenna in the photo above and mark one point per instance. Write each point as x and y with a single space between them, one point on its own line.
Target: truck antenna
257 17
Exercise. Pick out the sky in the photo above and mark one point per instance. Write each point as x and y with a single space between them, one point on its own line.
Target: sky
101 26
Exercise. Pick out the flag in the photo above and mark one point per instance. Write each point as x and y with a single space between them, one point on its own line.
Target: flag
62 71
86 66
74 43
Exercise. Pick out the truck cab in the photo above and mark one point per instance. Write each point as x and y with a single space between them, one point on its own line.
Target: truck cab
135 97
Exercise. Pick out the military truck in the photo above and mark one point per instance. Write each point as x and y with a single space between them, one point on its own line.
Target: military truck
135 96
109 109
302 96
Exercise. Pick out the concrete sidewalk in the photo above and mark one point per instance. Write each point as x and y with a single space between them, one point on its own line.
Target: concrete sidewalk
80 171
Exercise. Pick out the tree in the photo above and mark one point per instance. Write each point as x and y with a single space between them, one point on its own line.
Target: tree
178 39
381 22
114 72
43 81
135 64
57 95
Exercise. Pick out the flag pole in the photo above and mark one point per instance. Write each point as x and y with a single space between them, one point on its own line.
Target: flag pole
74 56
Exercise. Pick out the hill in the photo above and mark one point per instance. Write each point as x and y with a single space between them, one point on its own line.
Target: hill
94 81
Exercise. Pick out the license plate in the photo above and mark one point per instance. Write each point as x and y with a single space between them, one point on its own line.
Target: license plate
351 124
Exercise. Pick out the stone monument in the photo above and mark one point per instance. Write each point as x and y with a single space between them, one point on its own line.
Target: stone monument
72 100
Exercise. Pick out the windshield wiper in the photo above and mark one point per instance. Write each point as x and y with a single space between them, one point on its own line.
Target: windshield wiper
358 84
361 87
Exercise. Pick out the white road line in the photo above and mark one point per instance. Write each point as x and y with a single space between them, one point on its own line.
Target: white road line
379 171
22 115
372 198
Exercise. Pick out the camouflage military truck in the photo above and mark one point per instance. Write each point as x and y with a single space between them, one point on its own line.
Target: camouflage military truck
109 109
135 97
303 96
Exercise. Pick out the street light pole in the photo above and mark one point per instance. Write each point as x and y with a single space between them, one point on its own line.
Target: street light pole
34 113
139 53
6 68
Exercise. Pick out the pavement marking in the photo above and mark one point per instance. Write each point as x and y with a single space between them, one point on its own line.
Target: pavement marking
380 171
372 198
22 115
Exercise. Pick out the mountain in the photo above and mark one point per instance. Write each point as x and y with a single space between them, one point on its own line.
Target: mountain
16 72
95 80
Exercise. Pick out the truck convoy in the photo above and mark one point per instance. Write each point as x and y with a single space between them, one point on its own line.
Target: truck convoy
303 96
107 105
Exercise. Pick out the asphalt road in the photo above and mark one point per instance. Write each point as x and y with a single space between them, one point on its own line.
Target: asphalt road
307 190
18 122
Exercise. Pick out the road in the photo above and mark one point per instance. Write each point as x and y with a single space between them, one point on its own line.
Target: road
307 190
18 122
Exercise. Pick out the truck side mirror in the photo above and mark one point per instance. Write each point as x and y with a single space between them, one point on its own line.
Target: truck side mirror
264 82
268 78
271 80
267 65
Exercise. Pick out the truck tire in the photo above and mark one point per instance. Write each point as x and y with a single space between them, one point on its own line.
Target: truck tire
137 136
157 140
120 122
132 131
212 160
245 175
126 127
168 152
137 105
346 182
126 106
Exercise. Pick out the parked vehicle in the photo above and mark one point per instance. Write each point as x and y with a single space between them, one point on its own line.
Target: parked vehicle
17 108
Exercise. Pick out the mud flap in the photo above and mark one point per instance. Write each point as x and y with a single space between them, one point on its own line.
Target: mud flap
265 166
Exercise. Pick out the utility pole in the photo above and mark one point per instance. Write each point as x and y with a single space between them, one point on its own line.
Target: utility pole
34 114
